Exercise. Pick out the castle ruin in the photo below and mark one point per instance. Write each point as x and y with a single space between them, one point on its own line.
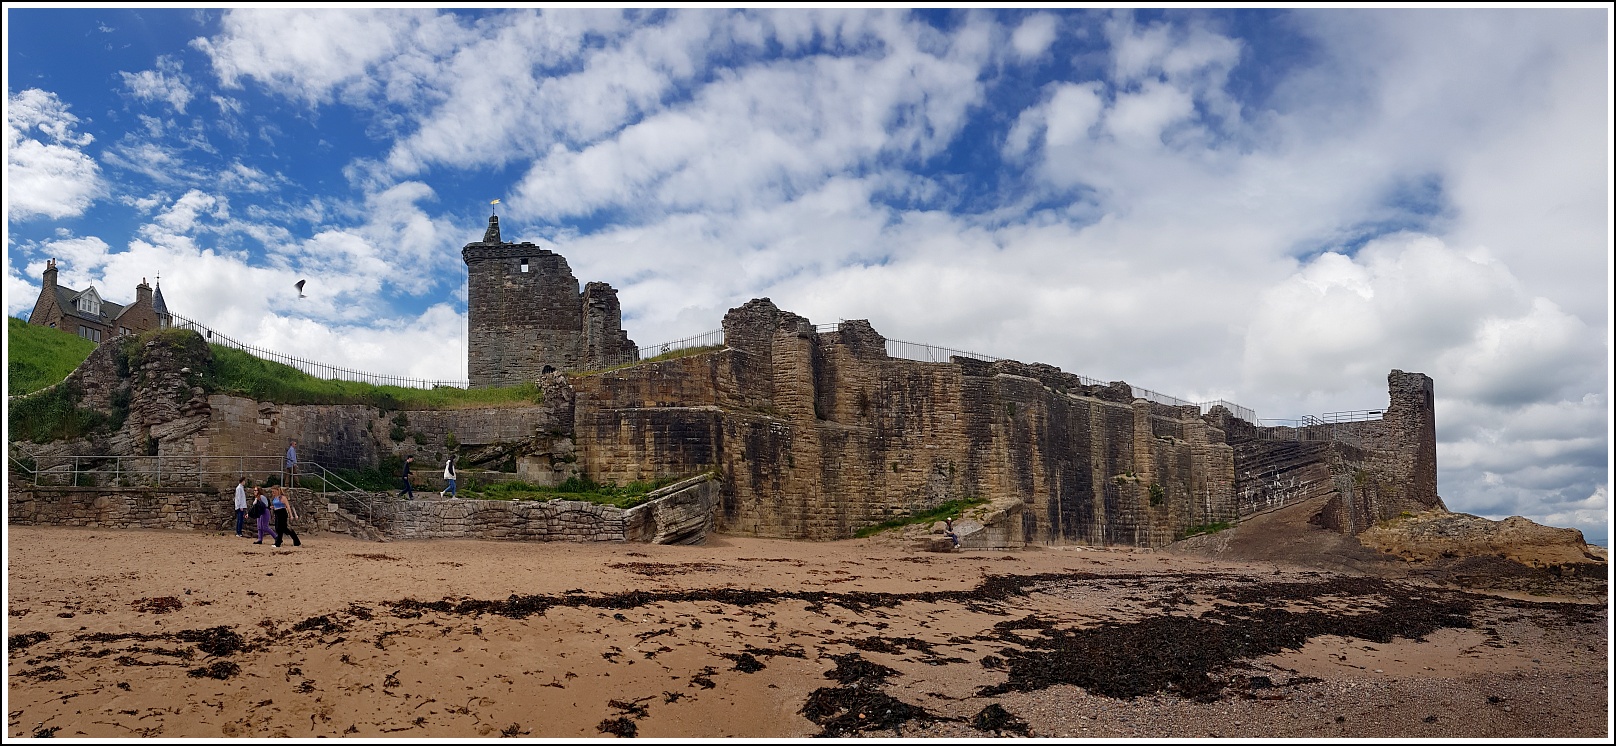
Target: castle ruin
526 316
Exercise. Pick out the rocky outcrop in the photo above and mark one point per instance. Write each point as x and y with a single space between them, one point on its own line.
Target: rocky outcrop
1442 535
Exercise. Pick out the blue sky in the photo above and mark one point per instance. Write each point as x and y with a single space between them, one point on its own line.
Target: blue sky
1266 206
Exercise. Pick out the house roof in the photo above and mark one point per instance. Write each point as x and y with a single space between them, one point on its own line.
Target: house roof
67 301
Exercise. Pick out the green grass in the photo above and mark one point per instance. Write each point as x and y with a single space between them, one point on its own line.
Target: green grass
950 509
576 488
39 356
237 372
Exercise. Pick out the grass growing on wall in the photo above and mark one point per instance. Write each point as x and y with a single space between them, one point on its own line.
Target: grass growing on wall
576 488
237 372
55 415
39 356
950 509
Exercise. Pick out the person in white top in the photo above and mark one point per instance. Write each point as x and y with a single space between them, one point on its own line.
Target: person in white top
449 479
241 504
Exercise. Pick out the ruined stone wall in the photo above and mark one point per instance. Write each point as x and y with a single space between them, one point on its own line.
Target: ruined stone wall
1373 470
525 314
170 509
821 434
677 514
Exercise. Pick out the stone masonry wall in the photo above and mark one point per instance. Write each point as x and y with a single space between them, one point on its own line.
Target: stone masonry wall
678 514
820 434
171 509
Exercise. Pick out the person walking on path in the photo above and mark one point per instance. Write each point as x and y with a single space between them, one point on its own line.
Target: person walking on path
291 464
260 512
241 504
284 514
449 479
408 488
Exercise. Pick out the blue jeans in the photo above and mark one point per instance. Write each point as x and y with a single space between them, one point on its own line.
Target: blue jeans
408 490
451 489
241 519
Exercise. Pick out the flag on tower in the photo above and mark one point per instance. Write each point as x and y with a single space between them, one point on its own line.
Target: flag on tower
495 202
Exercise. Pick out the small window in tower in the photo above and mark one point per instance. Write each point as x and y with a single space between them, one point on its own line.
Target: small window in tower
524 264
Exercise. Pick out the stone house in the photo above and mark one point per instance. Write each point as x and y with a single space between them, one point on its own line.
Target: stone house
87 314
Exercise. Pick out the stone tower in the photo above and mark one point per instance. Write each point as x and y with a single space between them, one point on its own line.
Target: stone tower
526 314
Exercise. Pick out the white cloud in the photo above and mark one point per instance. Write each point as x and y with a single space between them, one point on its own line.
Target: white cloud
20 292
309 53
168 83
1072 110
1138 119
53 179
767 132
1413 303
1032 37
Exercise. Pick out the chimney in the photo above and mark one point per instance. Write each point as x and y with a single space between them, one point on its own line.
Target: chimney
50 273
143 296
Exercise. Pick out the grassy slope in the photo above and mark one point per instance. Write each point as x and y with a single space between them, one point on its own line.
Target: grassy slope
39 356
237 372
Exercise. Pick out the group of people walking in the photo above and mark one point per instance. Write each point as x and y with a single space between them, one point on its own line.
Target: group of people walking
448 480
275 506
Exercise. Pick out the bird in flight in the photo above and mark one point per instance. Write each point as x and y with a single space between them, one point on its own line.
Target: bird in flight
300 288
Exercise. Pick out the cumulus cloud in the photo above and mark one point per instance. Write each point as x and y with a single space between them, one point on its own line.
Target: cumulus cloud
168 84
1032 37
47 172
1414 303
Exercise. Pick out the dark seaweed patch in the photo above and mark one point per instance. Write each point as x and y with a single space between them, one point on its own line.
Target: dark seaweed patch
215 641
158 605
24 640
997 719
220 670
621 727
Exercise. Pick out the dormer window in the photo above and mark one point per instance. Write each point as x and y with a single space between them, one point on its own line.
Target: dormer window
524 264
89 302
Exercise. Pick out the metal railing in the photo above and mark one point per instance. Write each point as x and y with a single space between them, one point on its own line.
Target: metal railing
705 339
1320 428
311 367
200 472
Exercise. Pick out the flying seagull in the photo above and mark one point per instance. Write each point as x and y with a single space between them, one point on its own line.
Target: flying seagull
300 288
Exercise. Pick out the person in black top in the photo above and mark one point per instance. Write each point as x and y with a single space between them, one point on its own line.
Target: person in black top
408 488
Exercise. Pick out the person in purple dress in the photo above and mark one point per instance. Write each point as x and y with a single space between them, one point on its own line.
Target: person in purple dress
260 510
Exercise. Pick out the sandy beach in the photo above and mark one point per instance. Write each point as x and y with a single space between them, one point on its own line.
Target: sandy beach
177 634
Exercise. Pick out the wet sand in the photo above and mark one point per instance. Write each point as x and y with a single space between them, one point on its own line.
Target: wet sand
176 634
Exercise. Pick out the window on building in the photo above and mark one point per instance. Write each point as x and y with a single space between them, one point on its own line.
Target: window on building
524 264
89 304
124 330
94 335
